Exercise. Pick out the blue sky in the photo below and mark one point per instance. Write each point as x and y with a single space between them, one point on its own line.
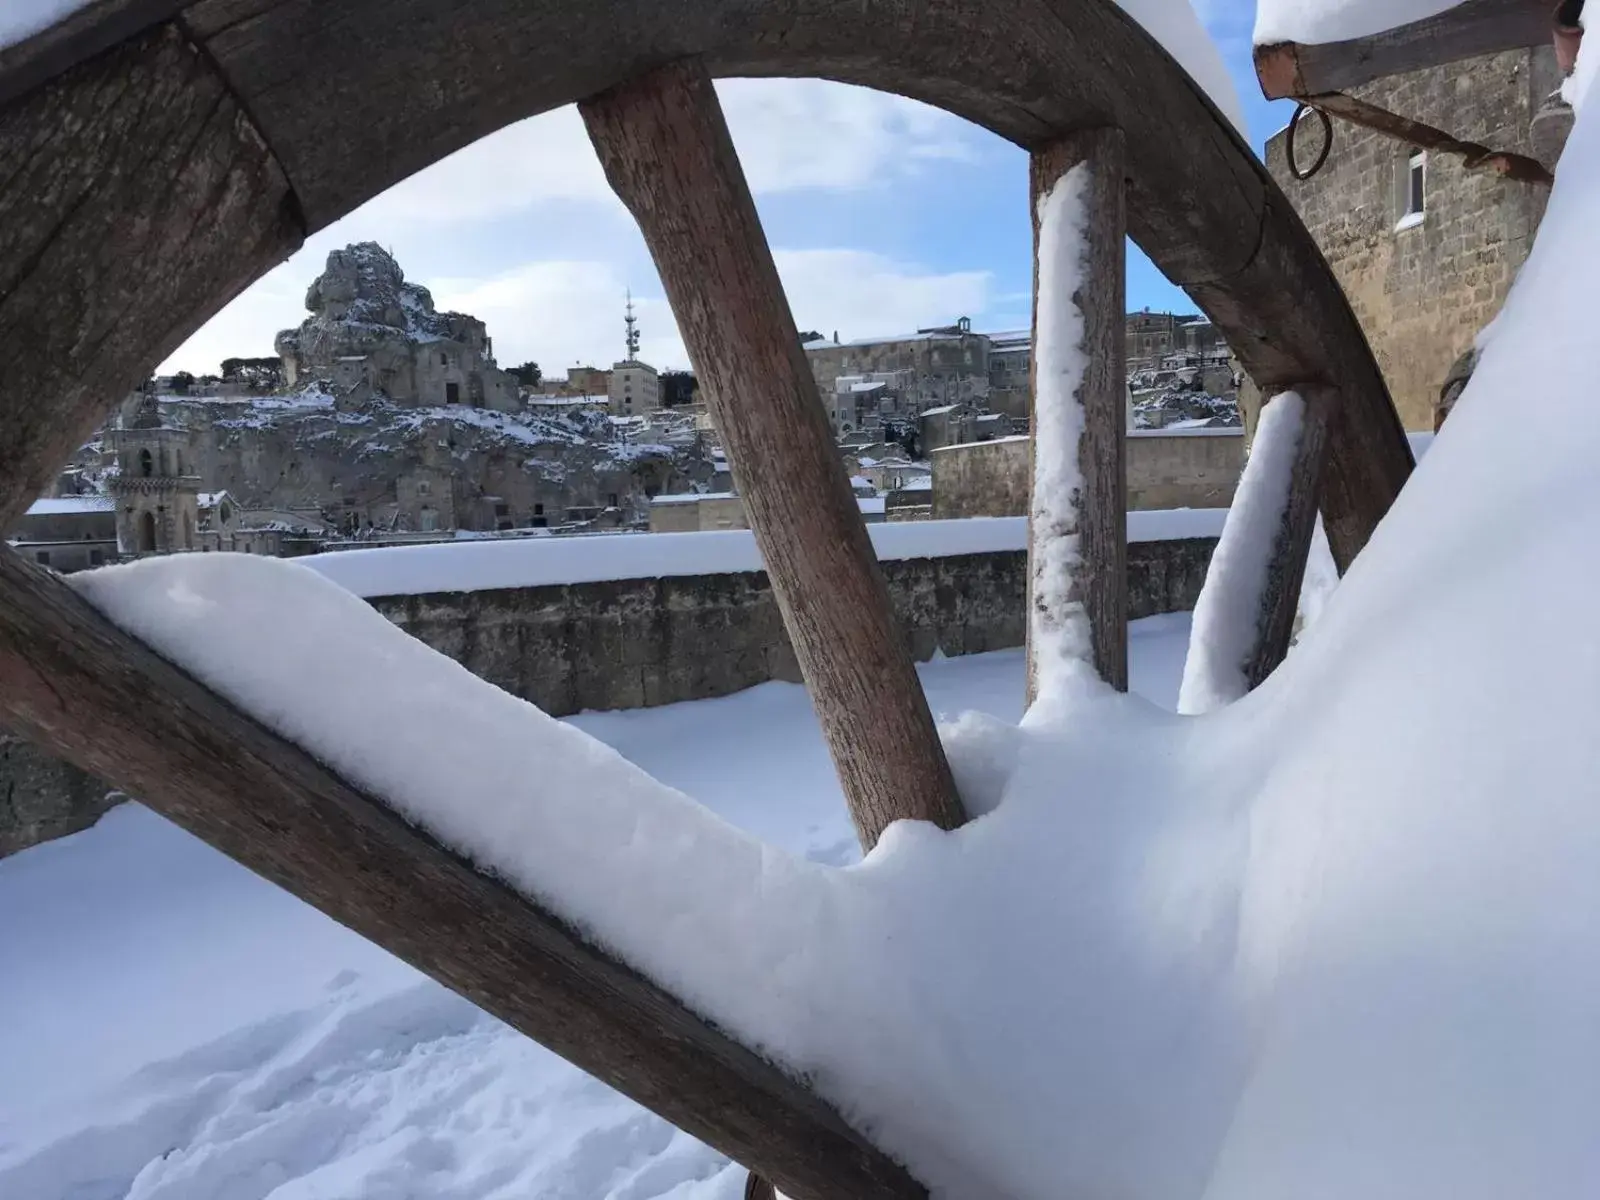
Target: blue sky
884 215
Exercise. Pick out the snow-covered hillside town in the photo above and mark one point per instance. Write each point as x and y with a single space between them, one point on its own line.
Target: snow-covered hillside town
384 421
878 719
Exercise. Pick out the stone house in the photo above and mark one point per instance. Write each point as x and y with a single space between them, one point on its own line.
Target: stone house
1010 360
68 533
1425 249
952 424
425 499
887 474
931 368
697 512
634 389
588 381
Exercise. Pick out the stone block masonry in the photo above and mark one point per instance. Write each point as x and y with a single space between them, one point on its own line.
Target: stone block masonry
642 642
1424 286
43 798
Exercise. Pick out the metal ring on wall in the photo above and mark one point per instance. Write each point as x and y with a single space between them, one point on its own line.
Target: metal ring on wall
1327 141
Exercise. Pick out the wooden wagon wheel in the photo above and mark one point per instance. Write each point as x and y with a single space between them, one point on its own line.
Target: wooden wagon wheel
156 156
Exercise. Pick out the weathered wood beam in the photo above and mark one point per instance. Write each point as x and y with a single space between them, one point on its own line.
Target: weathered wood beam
1235 582
1291 69
79 687
1077 551
78 35
666 151
135 200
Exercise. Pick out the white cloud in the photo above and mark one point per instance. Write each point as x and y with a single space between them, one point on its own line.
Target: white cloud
807 133
858 294
563 313
790 133
537 185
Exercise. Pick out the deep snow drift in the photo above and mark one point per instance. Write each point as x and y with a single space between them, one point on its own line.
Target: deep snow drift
166 1016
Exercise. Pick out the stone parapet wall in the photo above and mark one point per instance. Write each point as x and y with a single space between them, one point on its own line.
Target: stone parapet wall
641 642
636 643
43 798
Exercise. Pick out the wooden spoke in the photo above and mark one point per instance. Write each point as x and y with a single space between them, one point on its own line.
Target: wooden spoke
82 689
666 150
1079 319
1239 582
1291 69
135 200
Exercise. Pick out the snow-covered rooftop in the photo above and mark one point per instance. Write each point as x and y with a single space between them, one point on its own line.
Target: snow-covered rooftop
65 505
692 497
940 411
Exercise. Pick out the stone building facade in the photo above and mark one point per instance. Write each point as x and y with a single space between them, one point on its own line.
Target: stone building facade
1425 249
156 491
981 479
1149 337
928 369
1010 364
370 333
863 381
692 513
68 533
633 388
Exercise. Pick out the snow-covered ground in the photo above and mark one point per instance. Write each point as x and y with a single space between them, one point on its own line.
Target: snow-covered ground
174 1028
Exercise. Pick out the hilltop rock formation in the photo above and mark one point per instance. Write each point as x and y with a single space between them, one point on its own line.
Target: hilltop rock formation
372 334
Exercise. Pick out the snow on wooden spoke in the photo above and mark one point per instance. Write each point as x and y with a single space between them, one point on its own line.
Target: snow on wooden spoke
1228 615
1077 587
1058 623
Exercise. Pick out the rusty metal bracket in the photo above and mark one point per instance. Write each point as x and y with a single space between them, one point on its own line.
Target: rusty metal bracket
1477 157
1302 110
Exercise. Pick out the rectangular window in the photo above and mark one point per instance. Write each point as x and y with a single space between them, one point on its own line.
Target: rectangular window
1413 190
501 510
423 487
538 510
612 500
452 393
444 360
